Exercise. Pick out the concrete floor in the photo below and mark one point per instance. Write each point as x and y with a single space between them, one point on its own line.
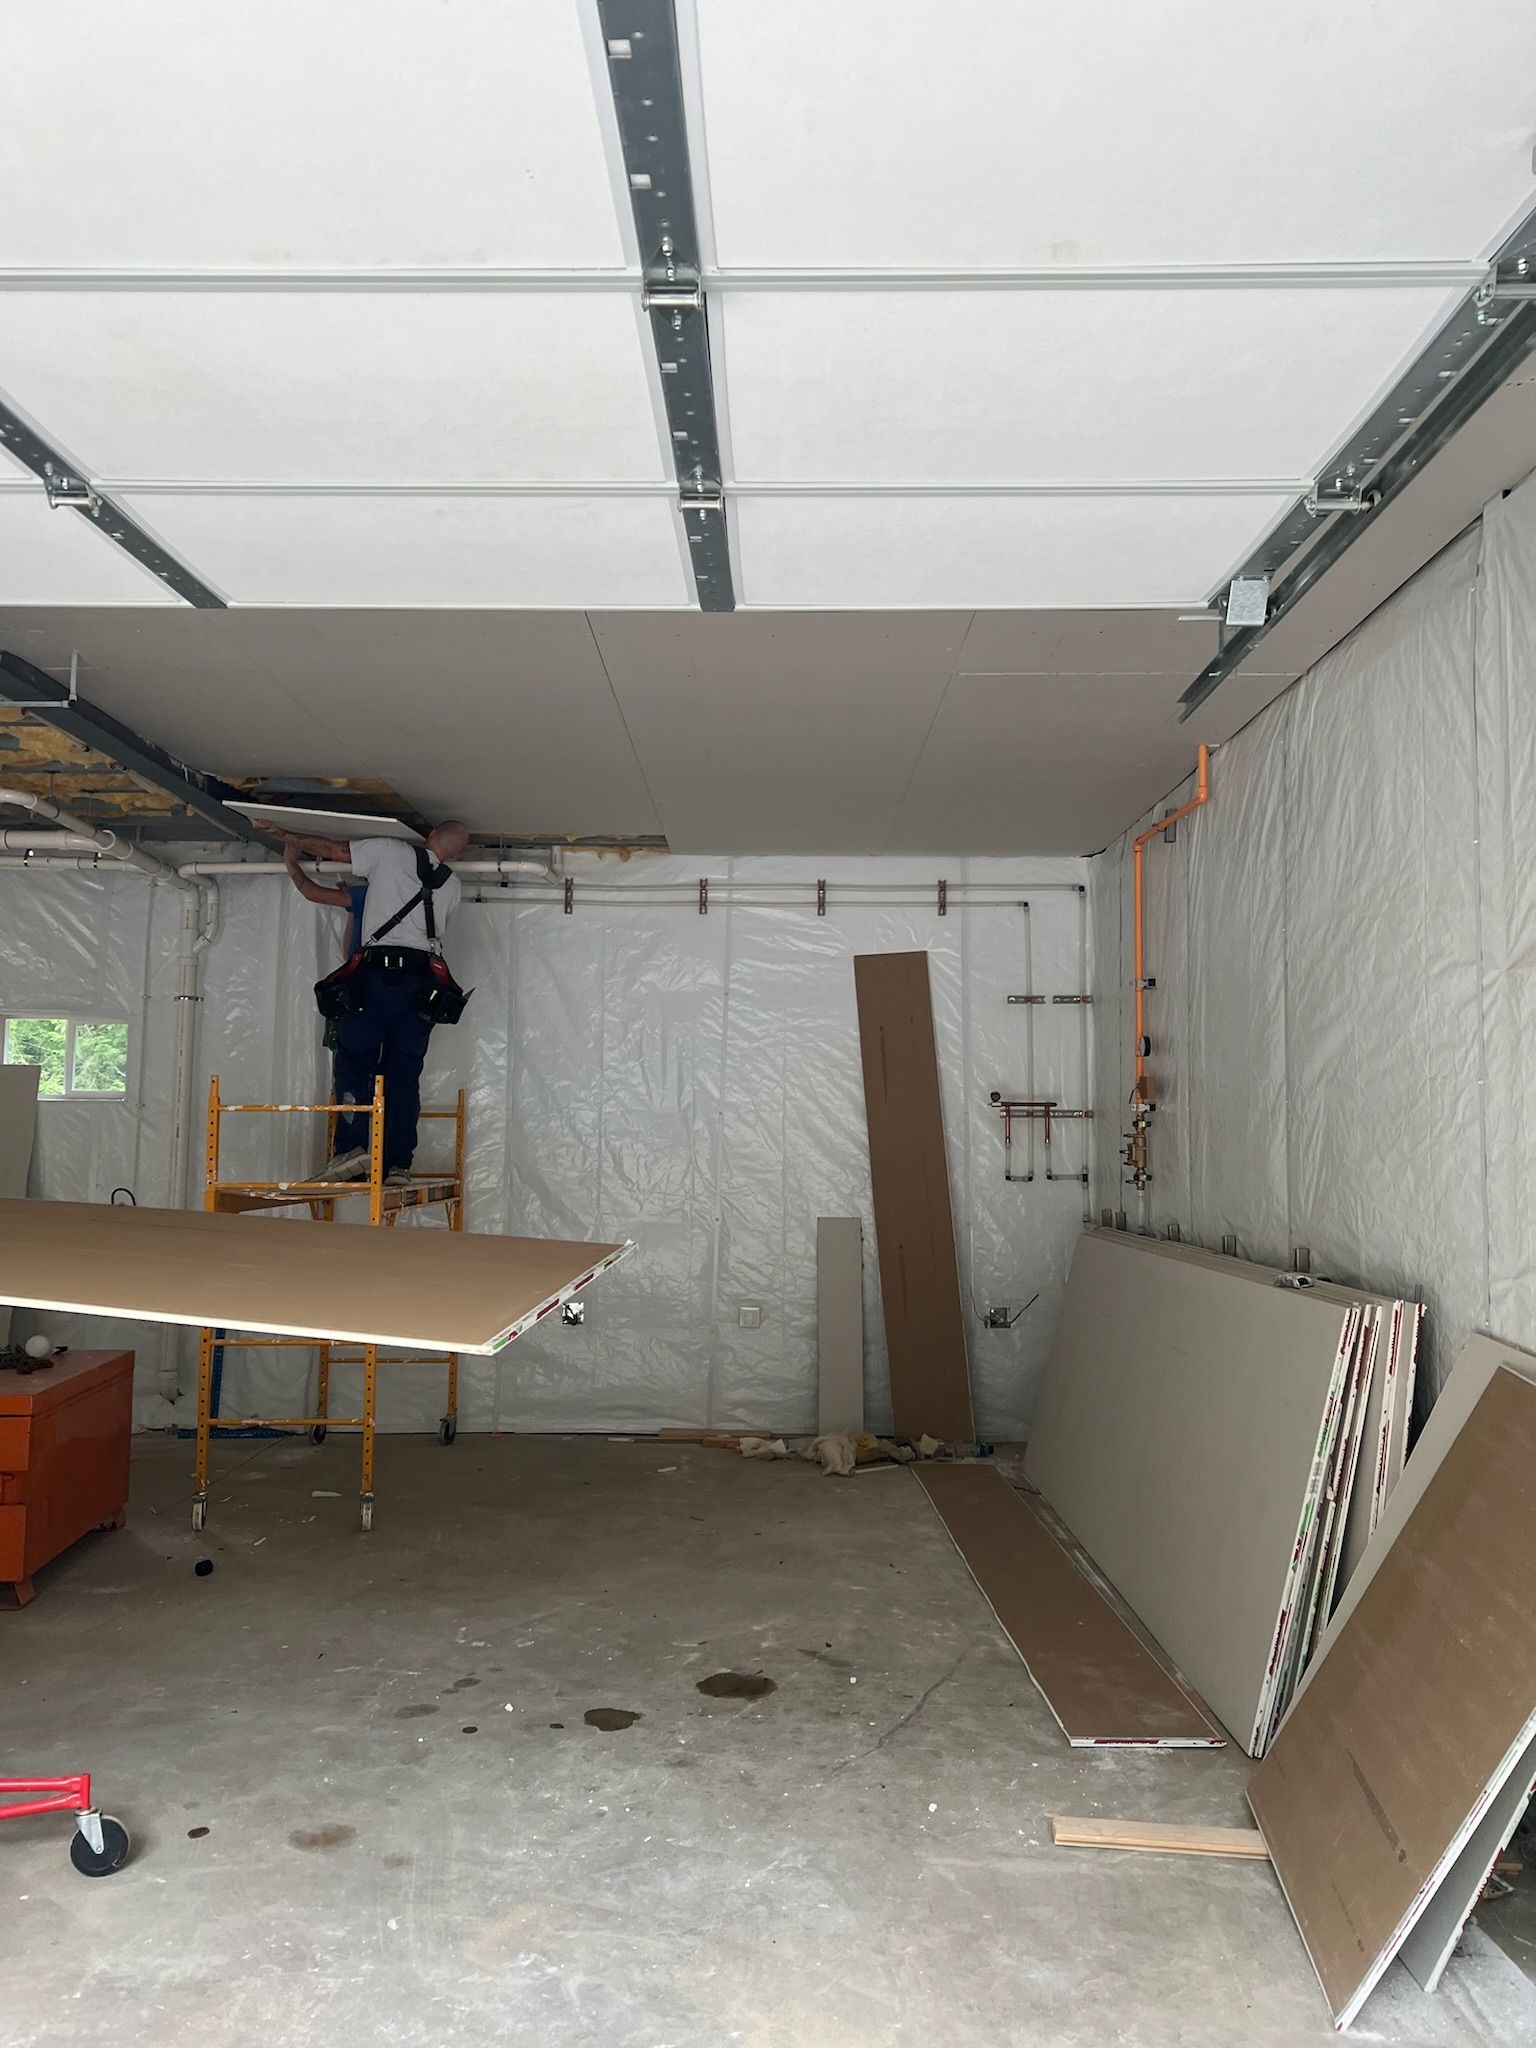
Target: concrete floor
357 1820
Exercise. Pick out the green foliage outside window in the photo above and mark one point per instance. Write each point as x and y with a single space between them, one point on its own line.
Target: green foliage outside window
74 1057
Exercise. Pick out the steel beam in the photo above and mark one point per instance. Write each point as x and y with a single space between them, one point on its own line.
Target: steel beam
640 38
22 683
68 491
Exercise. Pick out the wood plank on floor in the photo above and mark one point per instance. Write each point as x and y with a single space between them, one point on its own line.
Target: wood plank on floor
1170 1838
1099 1680
914 1223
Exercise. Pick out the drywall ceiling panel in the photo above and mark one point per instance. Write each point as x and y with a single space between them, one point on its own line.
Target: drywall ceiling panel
1042 764
1113 132
996 387
1088 643
337 387
373 132
1063 552
425 550
49 557
774 735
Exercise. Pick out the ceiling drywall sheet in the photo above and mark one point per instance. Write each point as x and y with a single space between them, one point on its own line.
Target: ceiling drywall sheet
423 550
1025 764
1088 643
1065 552
337 387
1113 132
56 557
907 387
356 132
785 734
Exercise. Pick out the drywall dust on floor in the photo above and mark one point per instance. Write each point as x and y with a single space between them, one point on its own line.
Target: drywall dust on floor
858 1859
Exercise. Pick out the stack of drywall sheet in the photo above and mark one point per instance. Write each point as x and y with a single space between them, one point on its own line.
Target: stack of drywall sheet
18 1122
1411 1749
1429 1944
1198 1432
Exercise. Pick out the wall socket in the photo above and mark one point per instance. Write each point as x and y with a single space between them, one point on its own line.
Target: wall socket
998 1319
749 1315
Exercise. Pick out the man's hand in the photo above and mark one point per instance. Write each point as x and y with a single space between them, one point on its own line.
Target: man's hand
292 859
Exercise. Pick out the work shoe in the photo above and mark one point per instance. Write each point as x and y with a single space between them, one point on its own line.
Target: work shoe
398 1177
346 1166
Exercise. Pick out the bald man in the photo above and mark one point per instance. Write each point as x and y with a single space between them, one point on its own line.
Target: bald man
388 1033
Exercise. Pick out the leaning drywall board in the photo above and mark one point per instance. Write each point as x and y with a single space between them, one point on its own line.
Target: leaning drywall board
441 1289
1387 1764
323 824
1102 1684
1182 1431
18 1127
1431 1941
839 1324
914 1223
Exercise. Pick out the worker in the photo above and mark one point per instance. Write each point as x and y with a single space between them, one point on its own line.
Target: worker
390 989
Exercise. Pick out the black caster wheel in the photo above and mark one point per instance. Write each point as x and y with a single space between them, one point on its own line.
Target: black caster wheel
112 1855
448 1429
317 1434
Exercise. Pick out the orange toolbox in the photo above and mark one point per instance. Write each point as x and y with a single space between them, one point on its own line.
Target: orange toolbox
64 1437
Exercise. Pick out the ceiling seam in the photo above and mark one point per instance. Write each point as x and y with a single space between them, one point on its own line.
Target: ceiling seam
922 747
645 780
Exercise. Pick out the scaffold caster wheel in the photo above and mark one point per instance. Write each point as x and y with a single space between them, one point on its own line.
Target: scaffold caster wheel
112 1855
448 1429
367 1511
200 1512
317 1434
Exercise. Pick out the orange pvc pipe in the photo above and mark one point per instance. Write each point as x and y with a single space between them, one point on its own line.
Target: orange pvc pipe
1138 891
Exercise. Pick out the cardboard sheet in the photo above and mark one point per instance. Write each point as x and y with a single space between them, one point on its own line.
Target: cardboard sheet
439 1289
1182 1434
914 1225
1413 1722
839 1324
1099 1680
18 1127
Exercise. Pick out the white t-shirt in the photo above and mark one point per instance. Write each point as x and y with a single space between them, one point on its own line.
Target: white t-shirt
388 866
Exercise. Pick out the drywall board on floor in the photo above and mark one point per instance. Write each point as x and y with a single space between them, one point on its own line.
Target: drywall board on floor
1387 1763
1063 552
1182 1432
1478 1360
840 386
424 550
1171 169
466 136
441 1289
57 557
1367 1495
18 1124
1102 1685
914 1221
339 387
324 824
1431 1941
840 1323
1402 1403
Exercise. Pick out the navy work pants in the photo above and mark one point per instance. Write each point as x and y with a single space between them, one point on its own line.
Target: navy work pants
386 1036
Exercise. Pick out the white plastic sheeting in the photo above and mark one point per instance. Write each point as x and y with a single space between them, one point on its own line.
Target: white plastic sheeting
633 1070
1344 942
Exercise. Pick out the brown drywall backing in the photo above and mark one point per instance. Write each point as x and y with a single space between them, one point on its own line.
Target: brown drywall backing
1103 1686
1182 1426
914 1224
18 1130
1413 1722
441 1289
839 1324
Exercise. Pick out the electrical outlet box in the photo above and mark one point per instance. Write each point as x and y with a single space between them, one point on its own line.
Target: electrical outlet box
750 1315
998 1319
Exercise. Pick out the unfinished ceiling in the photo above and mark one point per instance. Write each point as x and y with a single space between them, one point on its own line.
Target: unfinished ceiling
356 352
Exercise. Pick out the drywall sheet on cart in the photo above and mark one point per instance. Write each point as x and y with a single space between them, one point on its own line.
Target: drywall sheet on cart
1099 1680
1476 1363
435 1288
1182 1435
914 1225
18 1125
1414 1721
840 1323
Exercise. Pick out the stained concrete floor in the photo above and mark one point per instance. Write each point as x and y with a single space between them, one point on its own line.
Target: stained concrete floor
367 1805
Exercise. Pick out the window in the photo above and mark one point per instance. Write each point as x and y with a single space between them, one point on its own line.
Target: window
79 1057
